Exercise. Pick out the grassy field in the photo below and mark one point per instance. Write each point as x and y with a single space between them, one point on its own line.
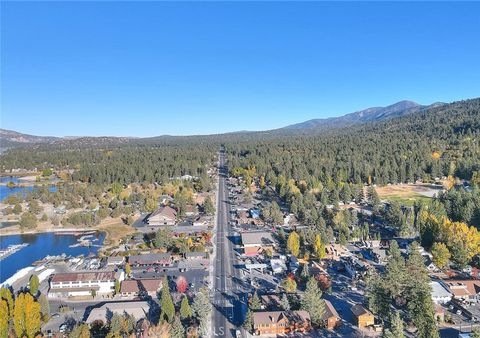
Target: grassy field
115 230
406 194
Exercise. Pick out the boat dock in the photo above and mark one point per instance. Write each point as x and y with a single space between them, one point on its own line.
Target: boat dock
11 249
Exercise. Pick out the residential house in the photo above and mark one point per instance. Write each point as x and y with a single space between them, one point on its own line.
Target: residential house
278 265
440 295
363 317
355 267
83 284
139 310
255 242
162 216
464 289
280 322
141 287
271 302
161 259
330 317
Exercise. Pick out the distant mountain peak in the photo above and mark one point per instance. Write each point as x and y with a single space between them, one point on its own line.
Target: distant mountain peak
366 115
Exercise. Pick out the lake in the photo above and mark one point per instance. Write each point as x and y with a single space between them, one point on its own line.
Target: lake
41 245
6 191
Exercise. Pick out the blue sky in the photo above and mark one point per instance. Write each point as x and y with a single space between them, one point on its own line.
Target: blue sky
153 68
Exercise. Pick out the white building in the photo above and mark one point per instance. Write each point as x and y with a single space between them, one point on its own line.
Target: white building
81 284
440 295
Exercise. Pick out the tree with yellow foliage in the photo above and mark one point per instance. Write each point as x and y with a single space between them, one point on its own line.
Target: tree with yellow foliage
319 247
293 243
27 316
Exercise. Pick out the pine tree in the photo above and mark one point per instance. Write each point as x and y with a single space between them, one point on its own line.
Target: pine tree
284 303
167 306
255 304
305 271
312 302
177 330
185 309
395 329
248 323
80 331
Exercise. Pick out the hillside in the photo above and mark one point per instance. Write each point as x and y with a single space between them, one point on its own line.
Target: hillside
367 115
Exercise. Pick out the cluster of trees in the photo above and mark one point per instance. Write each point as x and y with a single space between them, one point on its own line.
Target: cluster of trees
24 314
123 163
462 205
165 240
404 284
447 238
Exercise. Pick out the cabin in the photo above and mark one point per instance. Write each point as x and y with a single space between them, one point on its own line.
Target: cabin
331 318
280 322
363 317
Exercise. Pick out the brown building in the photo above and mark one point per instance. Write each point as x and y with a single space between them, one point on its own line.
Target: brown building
331 318
162 216
135 288
281 322
363 317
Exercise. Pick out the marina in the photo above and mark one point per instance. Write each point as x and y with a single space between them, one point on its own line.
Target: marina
11 249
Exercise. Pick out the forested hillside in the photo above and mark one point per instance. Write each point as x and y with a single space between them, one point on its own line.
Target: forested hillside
123 164
436 142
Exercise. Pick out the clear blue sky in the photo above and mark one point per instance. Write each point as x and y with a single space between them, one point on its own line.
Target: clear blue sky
153 68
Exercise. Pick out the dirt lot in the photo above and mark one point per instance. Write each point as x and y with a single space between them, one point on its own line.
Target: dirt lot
115 230
408 193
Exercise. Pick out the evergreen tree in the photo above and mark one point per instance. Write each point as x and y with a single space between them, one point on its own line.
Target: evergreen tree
284 303
312 302
166 303
177 330
208 207
255 304
185 309
395 329
248 323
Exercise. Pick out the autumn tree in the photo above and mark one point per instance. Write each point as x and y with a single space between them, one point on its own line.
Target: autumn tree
182 284
289 284
319 247
293 243
441 255
27 315
4 321
80 331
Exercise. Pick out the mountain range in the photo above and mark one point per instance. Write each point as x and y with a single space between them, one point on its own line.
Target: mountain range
11 139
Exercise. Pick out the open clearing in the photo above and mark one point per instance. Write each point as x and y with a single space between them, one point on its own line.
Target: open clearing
407 194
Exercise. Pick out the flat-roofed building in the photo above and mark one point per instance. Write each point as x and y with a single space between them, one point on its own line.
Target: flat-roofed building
81 284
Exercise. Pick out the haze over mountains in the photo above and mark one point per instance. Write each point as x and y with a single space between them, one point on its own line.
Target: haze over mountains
10 139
